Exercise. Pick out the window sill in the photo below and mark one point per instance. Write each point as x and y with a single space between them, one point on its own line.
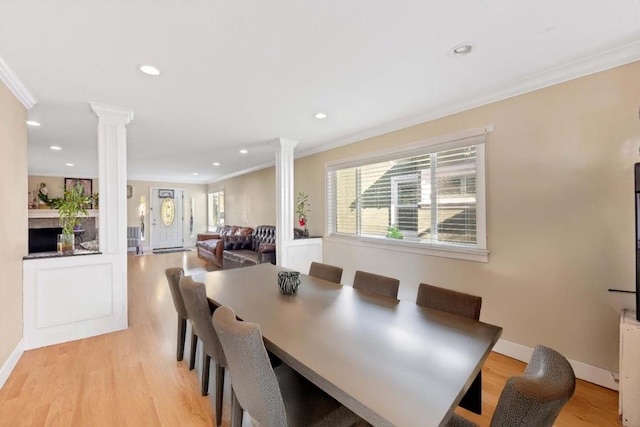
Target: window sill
397 245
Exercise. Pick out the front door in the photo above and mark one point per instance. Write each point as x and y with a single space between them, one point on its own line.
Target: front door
166 218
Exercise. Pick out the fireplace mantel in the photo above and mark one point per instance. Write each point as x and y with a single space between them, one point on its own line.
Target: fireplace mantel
53 213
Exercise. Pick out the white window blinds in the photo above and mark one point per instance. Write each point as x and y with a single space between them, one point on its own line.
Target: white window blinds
426 194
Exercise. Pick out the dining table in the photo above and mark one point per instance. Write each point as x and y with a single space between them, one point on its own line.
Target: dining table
392 362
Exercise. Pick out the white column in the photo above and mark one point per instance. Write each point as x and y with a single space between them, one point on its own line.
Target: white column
284 197
112 175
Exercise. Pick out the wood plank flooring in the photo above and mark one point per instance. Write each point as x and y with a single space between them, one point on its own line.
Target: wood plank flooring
131 377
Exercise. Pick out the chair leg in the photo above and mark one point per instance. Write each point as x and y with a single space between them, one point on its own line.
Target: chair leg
194 347
236 410
219 392
472 400
182 332
206 364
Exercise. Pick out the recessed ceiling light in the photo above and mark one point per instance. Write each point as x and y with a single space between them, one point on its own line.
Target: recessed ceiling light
68 164
215 164
461 50
55 147
243 151
320 115
195 173
33 123
150 69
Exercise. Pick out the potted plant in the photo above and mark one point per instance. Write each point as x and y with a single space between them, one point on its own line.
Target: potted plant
394 232
302 209
72 208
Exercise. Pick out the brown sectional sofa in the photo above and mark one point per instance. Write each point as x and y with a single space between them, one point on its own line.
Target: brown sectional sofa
210 245
256 248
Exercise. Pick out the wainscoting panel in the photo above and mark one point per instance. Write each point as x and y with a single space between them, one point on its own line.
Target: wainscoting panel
86 295
74 297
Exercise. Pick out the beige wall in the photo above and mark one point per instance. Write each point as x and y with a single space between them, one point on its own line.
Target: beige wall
197 191
560 213
250 199
13 193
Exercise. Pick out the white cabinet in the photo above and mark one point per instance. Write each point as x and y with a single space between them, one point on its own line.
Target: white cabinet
629 369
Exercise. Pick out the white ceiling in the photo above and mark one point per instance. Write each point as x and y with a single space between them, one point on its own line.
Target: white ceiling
238 74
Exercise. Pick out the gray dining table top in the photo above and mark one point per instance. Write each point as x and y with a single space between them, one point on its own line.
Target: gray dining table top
391 362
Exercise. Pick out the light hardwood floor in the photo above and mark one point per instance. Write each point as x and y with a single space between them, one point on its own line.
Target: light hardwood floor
131 378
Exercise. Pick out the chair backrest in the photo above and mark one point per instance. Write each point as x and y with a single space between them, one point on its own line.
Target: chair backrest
252 376
195 300
454 302
326 272
382 285
133 237
174 275
536 397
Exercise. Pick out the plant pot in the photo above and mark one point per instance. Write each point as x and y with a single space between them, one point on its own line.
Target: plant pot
66 243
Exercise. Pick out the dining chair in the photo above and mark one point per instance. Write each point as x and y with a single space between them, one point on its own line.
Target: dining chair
271 396
454 302
374 283
534 398
326 272
460 304
195 300
174 275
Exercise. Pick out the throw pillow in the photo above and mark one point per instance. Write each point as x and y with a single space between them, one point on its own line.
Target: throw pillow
91 245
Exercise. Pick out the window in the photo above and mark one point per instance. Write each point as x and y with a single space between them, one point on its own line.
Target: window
215 204
426 195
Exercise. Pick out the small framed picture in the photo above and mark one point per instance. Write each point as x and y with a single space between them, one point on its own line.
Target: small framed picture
165 194
86 184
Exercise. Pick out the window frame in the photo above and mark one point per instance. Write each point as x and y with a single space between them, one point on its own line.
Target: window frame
210 193
477 252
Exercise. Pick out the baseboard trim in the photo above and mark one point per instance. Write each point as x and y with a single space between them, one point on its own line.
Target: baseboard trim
593 374
11 362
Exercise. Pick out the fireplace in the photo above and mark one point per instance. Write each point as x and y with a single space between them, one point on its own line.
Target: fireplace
43 239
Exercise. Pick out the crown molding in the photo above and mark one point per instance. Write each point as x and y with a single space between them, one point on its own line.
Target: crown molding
603 61
244 172
117 115
15 85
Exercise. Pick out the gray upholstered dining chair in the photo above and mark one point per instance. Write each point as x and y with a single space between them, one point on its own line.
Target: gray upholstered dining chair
454 302
272 397
327 272
460 304
174 275
195 300
534 398
374 283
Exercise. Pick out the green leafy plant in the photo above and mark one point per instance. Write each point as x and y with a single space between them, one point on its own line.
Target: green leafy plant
302 208
72 208
393 232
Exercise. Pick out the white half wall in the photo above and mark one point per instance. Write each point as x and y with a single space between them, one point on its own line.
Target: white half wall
301 252
69 298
